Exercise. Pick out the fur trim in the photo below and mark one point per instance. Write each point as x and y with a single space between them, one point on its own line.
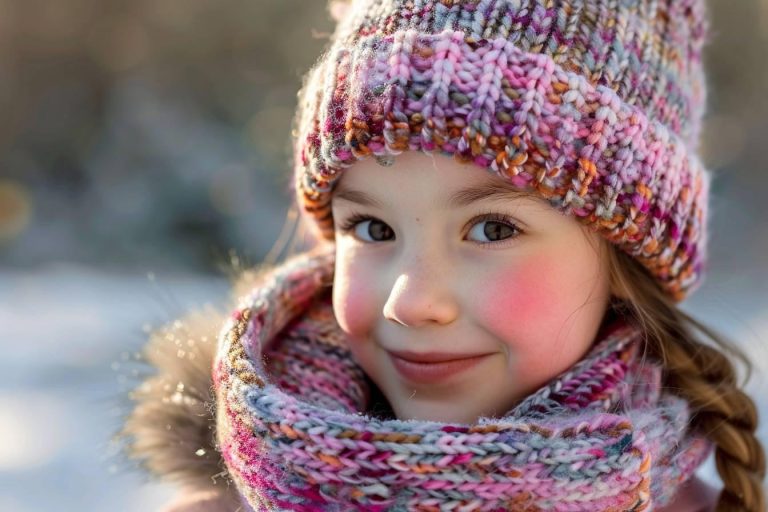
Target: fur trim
170 428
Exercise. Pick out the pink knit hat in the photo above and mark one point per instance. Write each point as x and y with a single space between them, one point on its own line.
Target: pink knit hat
595 105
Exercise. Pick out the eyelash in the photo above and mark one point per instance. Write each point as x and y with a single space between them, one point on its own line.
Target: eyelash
355 218
502 219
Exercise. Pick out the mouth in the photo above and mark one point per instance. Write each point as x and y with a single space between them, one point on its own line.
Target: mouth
432 367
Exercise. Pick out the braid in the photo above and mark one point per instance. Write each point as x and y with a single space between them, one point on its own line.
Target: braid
724 413
706 377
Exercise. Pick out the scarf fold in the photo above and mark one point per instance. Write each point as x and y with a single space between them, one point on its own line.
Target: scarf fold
298 429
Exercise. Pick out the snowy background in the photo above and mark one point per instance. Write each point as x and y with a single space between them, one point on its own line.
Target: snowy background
141 143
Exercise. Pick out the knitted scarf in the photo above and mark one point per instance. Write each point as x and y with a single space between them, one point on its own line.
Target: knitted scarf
299 427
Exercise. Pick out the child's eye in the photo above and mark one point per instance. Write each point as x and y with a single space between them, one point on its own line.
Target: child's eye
367 229
493 228
487 229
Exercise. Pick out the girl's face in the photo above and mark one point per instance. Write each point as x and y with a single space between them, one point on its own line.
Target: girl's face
435 256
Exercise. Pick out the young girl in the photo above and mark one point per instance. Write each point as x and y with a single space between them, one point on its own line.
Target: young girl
509 207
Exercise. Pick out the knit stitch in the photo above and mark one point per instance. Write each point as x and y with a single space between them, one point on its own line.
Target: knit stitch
594 105
296 431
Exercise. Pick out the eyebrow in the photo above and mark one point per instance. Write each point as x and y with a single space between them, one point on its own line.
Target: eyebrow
458 199
356 196
469 195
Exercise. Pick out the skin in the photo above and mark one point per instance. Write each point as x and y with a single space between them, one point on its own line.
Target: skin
417 276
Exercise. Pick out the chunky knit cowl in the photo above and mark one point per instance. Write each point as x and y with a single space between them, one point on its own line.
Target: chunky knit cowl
299 426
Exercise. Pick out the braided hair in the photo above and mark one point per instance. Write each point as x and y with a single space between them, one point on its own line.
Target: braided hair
702 372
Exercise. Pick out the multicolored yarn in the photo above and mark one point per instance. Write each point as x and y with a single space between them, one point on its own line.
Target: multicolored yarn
595 105
296 433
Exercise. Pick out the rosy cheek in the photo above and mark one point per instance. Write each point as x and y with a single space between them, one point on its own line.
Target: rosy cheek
521 304
354 300
516 293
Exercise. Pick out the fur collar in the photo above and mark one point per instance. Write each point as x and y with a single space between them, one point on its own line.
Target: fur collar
170 427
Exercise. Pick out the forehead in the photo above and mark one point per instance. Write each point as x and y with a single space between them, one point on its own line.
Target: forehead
441 180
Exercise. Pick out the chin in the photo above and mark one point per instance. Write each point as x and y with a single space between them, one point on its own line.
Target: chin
446 411
438 415
457 402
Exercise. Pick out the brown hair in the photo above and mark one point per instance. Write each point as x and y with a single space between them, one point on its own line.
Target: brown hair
702 373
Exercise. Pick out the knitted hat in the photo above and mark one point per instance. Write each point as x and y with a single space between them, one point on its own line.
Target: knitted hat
594 105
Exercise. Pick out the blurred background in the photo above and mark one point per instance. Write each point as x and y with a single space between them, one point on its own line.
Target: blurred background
145 149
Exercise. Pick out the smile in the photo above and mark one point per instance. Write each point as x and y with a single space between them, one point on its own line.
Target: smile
425 371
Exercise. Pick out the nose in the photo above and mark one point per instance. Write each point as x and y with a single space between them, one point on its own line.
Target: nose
421 296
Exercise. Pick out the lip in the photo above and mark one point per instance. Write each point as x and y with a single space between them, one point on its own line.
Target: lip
431 357
433 366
